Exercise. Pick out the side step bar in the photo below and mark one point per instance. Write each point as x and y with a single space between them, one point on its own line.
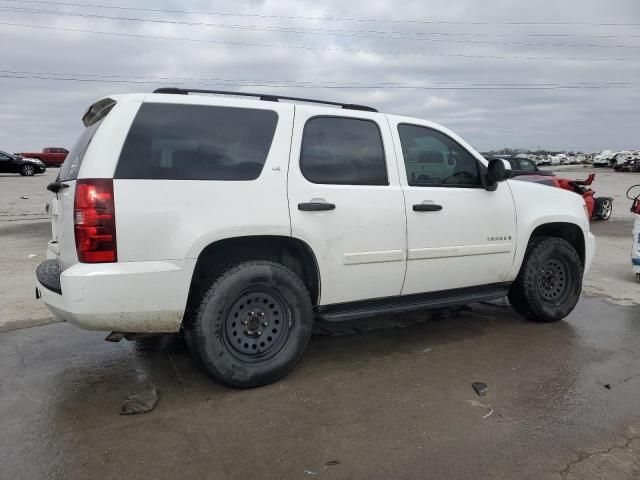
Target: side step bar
340 312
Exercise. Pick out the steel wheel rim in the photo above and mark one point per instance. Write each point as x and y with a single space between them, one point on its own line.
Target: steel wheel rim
257 325
606 209
28 170
553 280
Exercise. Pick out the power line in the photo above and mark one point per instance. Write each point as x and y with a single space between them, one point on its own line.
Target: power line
310 31
119 79
317 82
320 18
322 49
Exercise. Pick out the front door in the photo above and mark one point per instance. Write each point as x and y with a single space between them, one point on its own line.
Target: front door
346 203
458 233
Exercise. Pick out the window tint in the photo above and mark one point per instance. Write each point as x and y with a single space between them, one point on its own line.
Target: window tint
197 142
343 151
431 158
71 166
4 157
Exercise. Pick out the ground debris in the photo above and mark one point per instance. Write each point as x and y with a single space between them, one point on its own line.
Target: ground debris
480 388
333 462
140 402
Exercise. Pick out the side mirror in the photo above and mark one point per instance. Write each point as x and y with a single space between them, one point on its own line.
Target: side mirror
498 170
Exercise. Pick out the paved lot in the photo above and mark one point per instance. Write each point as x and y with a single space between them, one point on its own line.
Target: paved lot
394 401
24 231
389 403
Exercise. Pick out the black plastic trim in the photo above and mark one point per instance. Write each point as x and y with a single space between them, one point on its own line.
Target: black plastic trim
48 274
315 206
426 207
405 303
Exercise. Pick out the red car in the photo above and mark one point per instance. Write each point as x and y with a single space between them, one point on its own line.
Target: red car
600 208
50 156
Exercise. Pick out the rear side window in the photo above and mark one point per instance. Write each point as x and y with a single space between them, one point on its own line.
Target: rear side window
343 151
71 166
197 142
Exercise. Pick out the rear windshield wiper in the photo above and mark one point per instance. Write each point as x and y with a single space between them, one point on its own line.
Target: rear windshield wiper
55 187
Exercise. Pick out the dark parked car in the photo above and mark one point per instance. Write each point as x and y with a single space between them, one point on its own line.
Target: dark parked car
24 166
524 166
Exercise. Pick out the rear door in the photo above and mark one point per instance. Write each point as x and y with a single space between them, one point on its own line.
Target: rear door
345 201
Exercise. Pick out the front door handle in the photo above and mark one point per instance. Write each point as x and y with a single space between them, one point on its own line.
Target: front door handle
427 207
315 206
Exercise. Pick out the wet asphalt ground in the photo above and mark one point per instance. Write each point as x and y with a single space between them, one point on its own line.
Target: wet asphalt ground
563 401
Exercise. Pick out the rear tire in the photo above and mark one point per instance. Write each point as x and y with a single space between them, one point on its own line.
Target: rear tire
605 208
549 284
252 325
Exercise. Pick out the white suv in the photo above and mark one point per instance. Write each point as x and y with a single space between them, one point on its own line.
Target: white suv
239 220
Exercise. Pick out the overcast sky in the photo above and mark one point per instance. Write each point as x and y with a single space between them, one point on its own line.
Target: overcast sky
564 81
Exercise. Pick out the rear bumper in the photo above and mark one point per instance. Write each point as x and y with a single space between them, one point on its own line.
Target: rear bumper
144 297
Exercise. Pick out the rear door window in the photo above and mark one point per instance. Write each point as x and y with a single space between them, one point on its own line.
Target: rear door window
197 142
343 151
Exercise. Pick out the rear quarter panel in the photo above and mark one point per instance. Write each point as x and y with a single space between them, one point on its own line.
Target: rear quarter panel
177 219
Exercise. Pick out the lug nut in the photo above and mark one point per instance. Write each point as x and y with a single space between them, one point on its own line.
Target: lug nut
244 322
259 332
264 324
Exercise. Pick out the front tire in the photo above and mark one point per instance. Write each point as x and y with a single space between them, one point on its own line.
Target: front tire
252 325
605 208
549 284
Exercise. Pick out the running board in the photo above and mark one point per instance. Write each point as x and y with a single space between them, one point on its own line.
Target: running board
340 312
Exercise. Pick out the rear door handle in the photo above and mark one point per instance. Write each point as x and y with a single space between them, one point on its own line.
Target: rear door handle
427 207
315 206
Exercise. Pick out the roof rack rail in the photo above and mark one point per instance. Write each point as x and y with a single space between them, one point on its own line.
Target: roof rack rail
263 96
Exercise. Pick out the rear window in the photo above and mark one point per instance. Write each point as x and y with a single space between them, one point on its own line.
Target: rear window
71 166
197 142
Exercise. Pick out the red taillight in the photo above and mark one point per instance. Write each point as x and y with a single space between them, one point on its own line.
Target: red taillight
94 219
